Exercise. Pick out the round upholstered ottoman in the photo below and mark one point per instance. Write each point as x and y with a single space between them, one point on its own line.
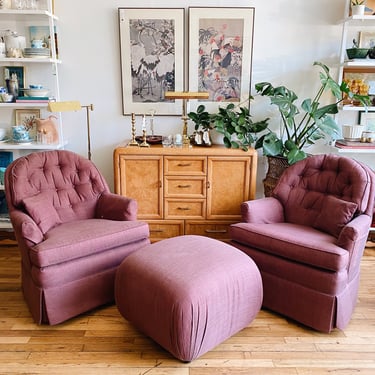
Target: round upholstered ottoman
188 293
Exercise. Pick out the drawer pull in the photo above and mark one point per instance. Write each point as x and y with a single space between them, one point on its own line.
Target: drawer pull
183 208
184 164
184 186
216 231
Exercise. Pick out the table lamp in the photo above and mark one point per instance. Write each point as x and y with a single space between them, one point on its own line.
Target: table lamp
74 106
185 96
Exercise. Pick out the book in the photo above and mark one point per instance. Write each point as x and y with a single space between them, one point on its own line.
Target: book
33 101
32 98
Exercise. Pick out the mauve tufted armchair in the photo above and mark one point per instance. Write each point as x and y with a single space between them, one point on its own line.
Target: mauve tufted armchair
71 231
308 239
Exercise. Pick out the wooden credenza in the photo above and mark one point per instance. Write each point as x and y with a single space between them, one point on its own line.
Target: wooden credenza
195 190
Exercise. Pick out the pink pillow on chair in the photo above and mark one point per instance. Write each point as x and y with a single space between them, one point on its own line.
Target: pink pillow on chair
334 215
40 208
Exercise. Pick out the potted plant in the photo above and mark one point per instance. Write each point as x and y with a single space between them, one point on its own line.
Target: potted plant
203 124
234 122
358 7
303 126
300 126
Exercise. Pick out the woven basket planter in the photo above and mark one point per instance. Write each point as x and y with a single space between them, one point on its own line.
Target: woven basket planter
276 166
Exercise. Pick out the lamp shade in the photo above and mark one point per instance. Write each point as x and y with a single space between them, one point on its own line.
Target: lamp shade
64 106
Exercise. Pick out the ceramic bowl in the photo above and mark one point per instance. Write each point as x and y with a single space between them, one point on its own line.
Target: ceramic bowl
36 92
352 132
357 53
6 98
38 87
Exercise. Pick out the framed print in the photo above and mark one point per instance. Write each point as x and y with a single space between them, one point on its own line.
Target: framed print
366 39
27 118
152 59
14 79
367 119
220 54
361 81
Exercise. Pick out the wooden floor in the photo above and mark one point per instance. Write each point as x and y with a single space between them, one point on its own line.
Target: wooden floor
102 342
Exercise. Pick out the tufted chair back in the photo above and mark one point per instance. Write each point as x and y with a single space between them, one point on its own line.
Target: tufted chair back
314 185
62 180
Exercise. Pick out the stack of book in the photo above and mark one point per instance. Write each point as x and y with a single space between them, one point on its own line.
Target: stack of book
342 143
33 99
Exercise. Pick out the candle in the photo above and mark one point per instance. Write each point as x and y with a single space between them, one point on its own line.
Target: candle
144 122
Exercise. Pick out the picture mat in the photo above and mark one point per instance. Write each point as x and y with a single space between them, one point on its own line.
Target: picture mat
245 16
128 50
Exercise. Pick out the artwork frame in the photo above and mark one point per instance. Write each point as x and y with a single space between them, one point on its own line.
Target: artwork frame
209 66
20 72
27 118
156 60
365 74
367 119
366 39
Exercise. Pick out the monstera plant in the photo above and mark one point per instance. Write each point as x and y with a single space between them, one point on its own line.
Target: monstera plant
303 125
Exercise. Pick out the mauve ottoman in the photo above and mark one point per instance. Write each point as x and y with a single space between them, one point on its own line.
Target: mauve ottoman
188 293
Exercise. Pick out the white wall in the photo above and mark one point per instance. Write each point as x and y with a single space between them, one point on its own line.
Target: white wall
289 36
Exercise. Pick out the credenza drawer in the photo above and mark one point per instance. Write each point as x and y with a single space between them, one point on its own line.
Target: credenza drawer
184 208
165 229
186 187
214 229
178 165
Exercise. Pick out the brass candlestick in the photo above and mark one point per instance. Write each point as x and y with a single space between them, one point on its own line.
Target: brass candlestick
133 142
144 143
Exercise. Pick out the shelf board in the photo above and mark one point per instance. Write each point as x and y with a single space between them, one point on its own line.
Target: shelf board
5 225
358 20
23 105
25 14
357 108
360 63
30 146
355 150
29 60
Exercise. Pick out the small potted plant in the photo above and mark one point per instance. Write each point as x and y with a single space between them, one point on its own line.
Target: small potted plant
234 122
358 7
203 124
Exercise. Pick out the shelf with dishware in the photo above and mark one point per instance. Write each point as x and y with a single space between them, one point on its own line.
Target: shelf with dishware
30 37
28 44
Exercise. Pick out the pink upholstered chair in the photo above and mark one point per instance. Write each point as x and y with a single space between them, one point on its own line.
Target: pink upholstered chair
71 231
308 239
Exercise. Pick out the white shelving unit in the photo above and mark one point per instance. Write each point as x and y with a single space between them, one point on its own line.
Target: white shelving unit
37 70
351 27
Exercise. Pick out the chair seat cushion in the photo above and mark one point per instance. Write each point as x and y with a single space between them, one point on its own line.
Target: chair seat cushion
80 238
292 241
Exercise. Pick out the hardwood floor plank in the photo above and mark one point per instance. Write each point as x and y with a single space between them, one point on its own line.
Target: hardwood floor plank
101 342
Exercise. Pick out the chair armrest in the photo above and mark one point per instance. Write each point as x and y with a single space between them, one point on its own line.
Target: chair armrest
116 207
264 210
26 228
355 231
353 238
